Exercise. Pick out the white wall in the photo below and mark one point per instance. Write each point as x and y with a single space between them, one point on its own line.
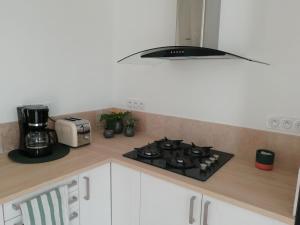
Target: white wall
57 52
226 91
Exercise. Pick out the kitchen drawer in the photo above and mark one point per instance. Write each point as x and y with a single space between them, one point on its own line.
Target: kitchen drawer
18 220
10 212
14 221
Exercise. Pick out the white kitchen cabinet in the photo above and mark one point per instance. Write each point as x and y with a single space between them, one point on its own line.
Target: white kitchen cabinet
164 203
94 195
1 215
125 195
215 212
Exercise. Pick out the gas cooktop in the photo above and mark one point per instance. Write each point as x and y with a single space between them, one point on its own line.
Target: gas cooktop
186 159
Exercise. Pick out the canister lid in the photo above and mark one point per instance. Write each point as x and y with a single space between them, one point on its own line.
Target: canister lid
265 156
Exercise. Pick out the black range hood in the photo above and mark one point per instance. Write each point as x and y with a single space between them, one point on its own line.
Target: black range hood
185 53
197 35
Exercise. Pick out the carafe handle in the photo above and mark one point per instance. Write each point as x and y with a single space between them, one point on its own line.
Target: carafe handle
52 136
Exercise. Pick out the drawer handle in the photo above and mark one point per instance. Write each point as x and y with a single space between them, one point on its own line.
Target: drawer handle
88 193
73 216
15 207
73 200
72 184
205 213
191 216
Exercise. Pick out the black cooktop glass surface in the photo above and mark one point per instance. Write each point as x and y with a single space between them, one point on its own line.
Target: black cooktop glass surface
186 159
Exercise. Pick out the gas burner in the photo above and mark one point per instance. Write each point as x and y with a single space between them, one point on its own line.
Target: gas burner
180 162
148 152
167 144
199 151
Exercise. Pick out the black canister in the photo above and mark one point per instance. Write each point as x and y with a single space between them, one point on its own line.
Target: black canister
264 159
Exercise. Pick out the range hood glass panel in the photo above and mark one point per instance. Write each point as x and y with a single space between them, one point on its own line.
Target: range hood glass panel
136 59
153 56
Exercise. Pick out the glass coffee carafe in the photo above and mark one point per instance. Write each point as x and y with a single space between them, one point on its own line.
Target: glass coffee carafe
38 142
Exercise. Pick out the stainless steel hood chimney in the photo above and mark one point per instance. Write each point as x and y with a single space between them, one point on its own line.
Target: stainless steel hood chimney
197 34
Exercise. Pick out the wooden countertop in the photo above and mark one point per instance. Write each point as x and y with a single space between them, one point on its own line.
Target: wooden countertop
238 182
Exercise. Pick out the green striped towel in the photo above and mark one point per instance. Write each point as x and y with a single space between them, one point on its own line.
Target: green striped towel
51 208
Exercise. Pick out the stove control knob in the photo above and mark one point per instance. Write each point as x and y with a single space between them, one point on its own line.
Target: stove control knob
216 156
203 166
208 163
212 159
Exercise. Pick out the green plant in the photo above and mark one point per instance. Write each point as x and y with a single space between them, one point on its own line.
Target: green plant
121 115
111 118
129 121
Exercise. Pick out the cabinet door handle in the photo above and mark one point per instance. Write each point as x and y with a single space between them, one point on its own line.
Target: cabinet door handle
191 216
205 212
88 191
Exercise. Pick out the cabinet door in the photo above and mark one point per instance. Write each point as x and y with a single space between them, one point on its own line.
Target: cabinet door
1 215
125 195
215 212
164 203
94 194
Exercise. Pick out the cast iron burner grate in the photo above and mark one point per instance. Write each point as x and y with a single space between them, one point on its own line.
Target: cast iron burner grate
167 144
149 152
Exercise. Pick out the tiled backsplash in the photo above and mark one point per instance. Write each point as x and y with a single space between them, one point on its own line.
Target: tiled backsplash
243 142
9 136
9 132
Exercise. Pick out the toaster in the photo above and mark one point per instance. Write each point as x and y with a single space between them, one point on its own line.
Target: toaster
74 132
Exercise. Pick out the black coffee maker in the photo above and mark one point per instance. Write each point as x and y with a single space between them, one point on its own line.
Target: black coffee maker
36 139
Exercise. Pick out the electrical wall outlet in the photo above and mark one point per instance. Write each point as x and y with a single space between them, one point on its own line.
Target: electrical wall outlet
135 104
273 123
297 126
285 124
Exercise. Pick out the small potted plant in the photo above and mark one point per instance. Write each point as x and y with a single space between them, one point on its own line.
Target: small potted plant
113 123
119 121
129 123
109 124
